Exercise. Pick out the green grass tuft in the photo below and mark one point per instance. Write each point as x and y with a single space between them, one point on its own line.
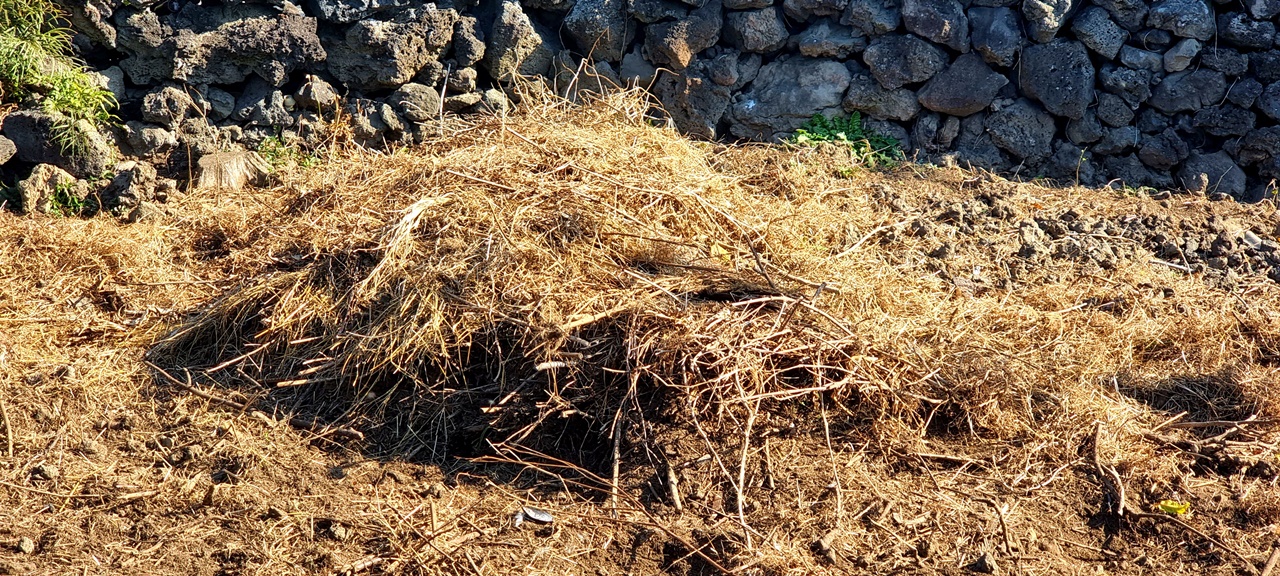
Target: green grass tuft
36 64
280 154
65 202
872 149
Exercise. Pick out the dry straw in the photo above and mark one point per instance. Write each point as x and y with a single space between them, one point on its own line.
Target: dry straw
576 290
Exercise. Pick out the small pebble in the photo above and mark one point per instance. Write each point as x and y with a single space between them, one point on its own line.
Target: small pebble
44 472
985 564
26 545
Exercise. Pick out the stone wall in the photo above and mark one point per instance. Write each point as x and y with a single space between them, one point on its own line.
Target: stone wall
1171 94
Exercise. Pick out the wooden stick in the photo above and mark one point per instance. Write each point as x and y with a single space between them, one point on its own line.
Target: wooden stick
1271 561
8 428
1217 423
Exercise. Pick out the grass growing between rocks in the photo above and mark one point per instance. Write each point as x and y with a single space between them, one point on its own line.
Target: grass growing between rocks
36 63
699 359
867 147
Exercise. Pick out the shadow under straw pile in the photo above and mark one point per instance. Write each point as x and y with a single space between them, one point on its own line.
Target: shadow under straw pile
527 280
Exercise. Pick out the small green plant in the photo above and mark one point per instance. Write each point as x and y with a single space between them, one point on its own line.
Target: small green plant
871 148
36 63
65 202
277 153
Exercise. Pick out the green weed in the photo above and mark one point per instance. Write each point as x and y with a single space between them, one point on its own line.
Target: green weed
65 202
36 63
872 149
277 153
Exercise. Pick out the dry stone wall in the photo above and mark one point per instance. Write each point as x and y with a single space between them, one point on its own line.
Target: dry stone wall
1169 94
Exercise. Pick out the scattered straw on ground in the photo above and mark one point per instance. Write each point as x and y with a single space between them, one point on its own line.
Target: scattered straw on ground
698 358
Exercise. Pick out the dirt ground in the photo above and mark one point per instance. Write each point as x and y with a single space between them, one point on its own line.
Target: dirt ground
1024 380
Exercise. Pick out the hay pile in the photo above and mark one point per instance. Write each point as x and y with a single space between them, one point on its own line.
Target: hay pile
572 287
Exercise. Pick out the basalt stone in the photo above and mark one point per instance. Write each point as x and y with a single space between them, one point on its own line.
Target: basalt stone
1130 171
1118 141
317 94
374 123
941 21
1262 9
168 106
896 61
1023 129
805 10
635 70
695 102
1244 92
1179 57
32 135
468 41
1261 147
761 31
600 28
1139 59
933 133
1113 111
557 7
93 18
111 78
1217 169
1134 86
516 45
785 94
7 150
974 148
463 80
1237 29
1163 151
733 69
222 45
261 104
415 102
650 11
827 39
133 184
1152 39
1059 75
1129 14
348 11
1184 18
674 44
873 17
1189 91
1045 17
1096 30
1151 121
1073 164
1224 60
996 34
964 88
381 54
1269 101
37 192
1225 120
891 130
865 95
1085 130
1265 66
